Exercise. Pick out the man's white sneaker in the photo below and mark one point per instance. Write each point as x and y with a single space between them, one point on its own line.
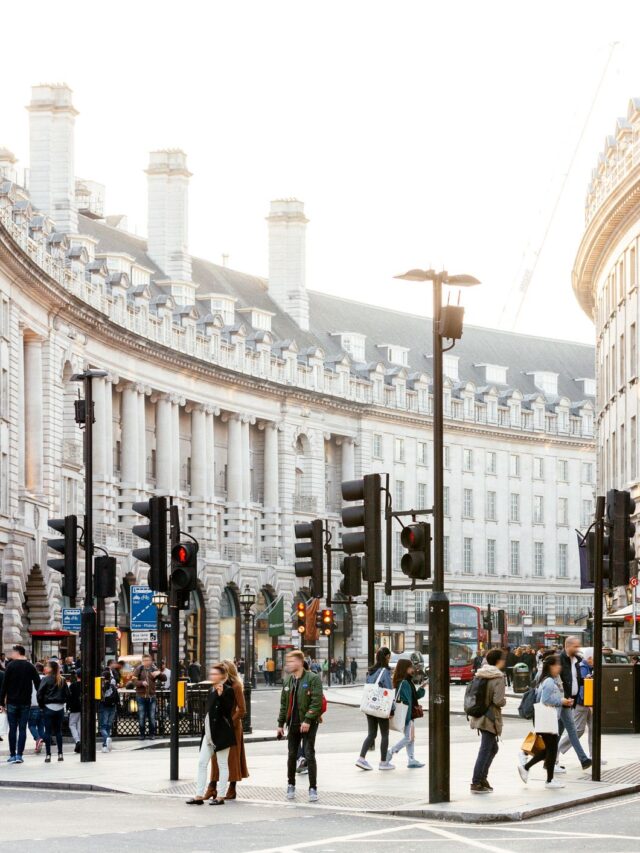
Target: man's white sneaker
104 749
291 792
386 765
313 795
554 783
524 773
559 769
363 764
108 744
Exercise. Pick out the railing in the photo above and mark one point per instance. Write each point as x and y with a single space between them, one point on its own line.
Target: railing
385 615
421 616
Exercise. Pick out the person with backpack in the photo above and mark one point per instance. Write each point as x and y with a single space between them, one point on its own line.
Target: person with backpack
301 707
406 694
107 708
378 674
483 701
549 692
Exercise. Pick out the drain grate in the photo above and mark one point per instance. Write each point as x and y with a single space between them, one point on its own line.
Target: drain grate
628 774
362 802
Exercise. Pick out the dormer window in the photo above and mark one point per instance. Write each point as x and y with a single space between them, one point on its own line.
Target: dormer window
588 387
219 303
395 354
546 381
494 373
259 319
450 366
354 344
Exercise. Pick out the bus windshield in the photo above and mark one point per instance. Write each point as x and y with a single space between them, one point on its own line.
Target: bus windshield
463 635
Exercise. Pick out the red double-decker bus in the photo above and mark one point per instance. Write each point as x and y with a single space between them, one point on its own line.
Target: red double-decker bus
467 636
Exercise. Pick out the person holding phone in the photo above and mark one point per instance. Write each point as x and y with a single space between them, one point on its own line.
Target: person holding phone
550 692
218 737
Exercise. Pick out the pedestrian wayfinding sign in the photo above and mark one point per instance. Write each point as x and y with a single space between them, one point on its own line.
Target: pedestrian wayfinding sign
71 618
144 615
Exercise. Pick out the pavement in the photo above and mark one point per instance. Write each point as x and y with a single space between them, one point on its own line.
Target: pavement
131 768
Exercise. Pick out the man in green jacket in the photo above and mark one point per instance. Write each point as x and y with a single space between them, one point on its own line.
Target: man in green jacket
300 711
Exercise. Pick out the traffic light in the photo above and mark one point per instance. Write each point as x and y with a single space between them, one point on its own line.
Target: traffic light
416 538
327 621
367 515
502 622
184 567
487 624
351 584
105 577
301 615
620 508
68 547
155 532
314 568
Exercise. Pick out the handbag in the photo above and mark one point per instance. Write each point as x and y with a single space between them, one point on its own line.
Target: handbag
545 718
4 724
398 720
533 744
417 711
377 701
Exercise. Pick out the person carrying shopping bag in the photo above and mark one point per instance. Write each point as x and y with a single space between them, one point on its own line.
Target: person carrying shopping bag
406 697
380 676
550 702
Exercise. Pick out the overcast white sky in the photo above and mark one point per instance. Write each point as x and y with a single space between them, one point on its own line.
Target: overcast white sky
416 133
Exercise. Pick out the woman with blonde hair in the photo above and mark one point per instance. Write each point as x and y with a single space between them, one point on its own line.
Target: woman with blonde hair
53 695
237 757
218 736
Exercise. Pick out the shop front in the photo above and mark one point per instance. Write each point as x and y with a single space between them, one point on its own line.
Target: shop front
52 644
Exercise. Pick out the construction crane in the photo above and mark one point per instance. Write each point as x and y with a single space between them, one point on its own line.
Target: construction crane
514 303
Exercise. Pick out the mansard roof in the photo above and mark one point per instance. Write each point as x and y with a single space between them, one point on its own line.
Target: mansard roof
524 354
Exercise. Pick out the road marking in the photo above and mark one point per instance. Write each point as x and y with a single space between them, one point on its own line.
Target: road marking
452 836
614 802
284 848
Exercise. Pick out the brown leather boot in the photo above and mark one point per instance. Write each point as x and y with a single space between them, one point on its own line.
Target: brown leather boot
212 791
231 791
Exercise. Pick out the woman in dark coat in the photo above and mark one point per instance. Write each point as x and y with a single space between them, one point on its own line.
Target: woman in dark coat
218 736
237 758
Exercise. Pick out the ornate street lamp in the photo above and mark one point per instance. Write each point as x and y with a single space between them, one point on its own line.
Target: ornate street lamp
160 600
247 600
447 323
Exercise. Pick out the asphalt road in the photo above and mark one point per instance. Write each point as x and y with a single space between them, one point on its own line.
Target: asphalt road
59 822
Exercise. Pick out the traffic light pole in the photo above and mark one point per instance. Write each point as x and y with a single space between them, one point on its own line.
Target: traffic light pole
598 580
330 644
174 636
439 751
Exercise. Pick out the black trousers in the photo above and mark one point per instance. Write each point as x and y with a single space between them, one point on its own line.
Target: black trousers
548 755
373 723
294 738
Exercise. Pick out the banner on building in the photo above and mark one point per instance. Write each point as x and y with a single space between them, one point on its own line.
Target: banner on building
276 618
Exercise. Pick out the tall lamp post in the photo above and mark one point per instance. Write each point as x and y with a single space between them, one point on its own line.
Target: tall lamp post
160 600
447 323
247 600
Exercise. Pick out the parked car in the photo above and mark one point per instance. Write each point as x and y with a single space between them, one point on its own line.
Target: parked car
610 655
420 661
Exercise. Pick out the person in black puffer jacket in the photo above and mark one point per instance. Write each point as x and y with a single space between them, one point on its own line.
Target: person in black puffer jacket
53 695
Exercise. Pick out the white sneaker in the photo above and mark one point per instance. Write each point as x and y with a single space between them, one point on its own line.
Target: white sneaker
559 770
386 765
554 783
104 749
291 792
523 758
108 744
524 773
363 764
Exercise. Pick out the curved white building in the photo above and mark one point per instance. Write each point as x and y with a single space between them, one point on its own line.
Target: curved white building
250 400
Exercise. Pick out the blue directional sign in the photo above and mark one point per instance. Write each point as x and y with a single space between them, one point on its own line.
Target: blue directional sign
144 614
71 618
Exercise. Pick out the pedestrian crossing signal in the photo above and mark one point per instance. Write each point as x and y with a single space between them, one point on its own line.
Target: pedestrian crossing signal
301 612
327 622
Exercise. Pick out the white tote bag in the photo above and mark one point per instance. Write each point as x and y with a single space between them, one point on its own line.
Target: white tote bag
399 719
376 701
545 719
4 724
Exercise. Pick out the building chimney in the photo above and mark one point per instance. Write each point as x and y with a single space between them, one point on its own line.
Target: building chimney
167 213
287 233
51 179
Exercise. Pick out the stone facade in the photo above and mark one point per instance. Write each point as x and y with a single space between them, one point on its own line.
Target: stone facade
249 405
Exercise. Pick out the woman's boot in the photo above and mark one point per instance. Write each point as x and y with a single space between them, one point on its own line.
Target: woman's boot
212 791
231 791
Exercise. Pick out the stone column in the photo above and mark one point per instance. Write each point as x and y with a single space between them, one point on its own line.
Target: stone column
33 426
210 430
348 460
271 486
164 444
21 400
142 438
198 471
175 443
99 448
130 446
108 427
234 460
246 463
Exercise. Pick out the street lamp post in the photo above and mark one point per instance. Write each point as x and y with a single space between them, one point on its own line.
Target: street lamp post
160 600
439 736
247 600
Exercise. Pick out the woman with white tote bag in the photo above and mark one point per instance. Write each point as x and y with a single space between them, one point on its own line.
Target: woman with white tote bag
406 701
380 676
549 702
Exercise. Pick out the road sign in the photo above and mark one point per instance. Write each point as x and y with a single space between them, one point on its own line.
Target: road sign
144 636
633 582
144 615
71 618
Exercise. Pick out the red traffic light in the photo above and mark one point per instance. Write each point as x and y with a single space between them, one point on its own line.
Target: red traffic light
180 554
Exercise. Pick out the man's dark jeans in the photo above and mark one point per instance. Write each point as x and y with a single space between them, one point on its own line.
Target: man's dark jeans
147 710
294 737
18 717
487 752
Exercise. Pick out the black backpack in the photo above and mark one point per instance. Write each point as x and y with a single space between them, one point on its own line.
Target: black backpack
475 698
